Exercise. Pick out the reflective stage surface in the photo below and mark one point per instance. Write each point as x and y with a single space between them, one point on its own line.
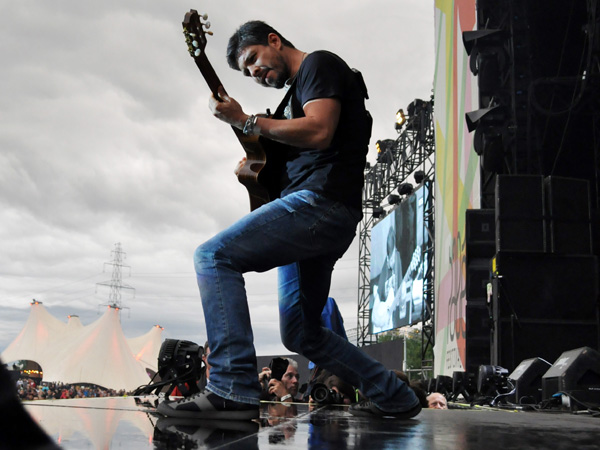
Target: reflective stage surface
129 423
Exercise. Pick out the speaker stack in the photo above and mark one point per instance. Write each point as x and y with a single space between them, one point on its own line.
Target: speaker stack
544 276
480 230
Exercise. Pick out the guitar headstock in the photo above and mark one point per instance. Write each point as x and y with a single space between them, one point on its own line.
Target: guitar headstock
195 29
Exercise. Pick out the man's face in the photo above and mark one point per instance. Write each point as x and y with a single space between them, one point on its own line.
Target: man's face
265 65
291 380
437 401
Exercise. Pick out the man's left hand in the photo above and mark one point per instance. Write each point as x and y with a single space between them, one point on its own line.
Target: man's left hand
227 109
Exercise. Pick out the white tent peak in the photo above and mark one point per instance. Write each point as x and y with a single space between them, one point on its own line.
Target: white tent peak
97 353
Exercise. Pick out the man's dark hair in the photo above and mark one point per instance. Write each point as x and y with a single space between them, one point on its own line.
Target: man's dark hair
254 32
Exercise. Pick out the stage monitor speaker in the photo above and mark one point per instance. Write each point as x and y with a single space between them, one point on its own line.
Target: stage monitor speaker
577 374
527 379
520 213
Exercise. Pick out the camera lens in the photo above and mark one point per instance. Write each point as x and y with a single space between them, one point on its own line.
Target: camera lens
320 393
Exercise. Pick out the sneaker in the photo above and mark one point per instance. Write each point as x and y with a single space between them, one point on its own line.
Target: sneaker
369 409
207 405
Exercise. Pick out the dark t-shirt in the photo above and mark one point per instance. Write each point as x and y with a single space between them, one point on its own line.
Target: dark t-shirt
337 171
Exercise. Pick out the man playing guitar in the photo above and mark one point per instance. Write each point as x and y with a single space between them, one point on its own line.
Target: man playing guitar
326 130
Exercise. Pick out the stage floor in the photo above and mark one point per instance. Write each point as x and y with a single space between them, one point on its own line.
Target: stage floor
130 423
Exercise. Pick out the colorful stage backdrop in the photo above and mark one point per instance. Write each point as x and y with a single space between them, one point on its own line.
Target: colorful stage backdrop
456 178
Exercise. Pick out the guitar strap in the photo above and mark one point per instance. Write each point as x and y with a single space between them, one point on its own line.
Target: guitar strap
280 112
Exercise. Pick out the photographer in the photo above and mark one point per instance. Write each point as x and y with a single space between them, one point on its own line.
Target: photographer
280 381
327 388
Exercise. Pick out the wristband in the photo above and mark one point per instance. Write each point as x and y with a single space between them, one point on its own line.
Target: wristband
285 397
249 125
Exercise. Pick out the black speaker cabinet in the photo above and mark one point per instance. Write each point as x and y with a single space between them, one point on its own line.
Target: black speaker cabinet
480 233
543 304
478 337
520 213
527 378
568 215
577 373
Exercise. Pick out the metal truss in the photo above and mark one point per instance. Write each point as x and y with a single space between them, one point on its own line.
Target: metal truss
412 151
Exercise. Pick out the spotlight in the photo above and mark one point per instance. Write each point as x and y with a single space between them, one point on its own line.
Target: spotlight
443 385
431 385
463 383
179 365
378 212
492 384
400 119
405 189
385 150
393 199
419 176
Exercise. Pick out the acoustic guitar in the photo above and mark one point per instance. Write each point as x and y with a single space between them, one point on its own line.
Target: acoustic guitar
260 173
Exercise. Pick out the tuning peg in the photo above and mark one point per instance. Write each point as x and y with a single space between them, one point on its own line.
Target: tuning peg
207 25
204 16
197 52
195 44
210 33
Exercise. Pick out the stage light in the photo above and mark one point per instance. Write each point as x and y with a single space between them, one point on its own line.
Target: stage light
400 119
493 384
385 150
464 384
179 365
393 199
443 384
405 189
431 385
378 212
419 176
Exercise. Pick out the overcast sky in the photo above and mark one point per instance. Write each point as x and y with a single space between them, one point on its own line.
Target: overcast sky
106 137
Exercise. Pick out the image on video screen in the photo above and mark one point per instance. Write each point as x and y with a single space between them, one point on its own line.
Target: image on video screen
398 265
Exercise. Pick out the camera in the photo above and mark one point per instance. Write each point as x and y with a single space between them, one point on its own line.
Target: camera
320 393
278 367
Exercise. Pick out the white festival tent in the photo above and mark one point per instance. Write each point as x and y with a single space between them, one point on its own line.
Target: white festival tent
97 353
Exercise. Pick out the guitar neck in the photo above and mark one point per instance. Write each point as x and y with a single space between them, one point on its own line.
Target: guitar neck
209 74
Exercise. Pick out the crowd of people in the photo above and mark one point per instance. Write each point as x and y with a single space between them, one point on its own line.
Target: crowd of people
28 389
287 387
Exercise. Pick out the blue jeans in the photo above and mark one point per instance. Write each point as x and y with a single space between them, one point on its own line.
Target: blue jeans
303 234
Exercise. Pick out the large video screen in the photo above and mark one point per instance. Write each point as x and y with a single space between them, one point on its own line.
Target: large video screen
398 265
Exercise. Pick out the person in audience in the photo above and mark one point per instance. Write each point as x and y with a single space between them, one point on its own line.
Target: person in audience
436 400
284 390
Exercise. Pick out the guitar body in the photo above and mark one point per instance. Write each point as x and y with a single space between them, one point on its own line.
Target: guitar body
261 172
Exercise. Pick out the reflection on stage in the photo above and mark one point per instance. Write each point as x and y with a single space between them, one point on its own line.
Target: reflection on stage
132 423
